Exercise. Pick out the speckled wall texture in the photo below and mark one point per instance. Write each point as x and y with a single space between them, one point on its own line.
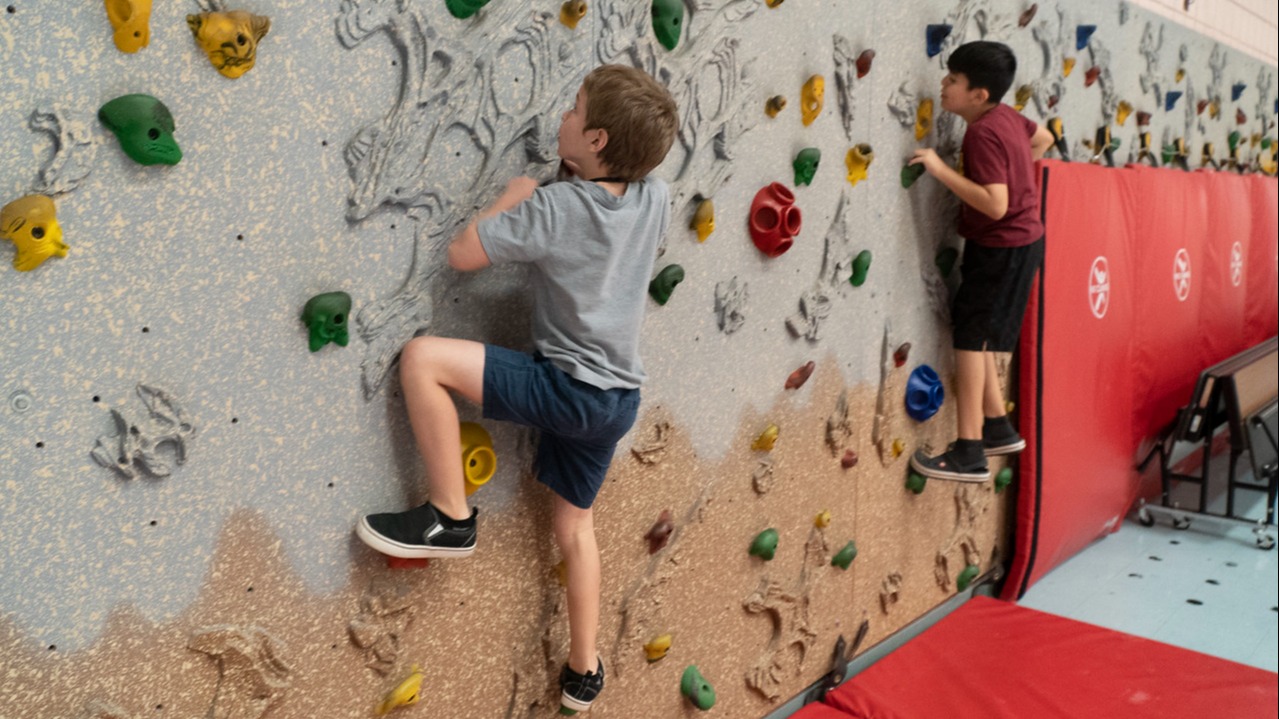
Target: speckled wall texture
204 565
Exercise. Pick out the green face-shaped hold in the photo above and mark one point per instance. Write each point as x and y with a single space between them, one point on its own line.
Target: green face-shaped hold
805 165
668 21
462 9
663 285
326 318
144 127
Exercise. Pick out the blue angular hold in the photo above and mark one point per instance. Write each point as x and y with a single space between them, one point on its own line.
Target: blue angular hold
1083 33
1170 99
1236 91
936 35
924 393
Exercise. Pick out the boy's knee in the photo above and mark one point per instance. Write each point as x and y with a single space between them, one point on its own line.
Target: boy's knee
416 354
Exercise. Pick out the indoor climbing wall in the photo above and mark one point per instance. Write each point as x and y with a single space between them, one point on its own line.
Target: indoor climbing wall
222 221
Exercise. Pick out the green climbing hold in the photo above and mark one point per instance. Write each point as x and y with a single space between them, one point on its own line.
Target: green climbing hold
765 545
1003 479
663 285
967 576
1266 142
326 317
805 165
916 482
462 9
144 126
696 689
945 260
1233 140
861 265
910 173
845 556
668 21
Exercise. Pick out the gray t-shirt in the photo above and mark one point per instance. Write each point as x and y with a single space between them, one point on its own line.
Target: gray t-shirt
592 255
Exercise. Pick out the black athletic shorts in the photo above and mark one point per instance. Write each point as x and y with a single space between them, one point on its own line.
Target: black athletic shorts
992 297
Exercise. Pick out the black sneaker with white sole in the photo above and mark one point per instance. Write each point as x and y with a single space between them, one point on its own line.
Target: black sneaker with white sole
963 461
577 691
420 533
998 437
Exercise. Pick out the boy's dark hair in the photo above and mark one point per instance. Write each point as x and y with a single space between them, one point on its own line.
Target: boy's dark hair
637 112
989 66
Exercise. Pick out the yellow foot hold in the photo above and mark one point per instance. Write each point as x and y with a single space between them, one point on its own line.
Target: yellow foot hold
405 694
765 441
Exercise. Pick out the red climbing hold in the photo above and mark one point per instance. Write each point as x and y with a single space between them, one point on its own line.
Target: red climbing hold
660 532
901 354
1091 76
849 460
800 376
774 219
864 61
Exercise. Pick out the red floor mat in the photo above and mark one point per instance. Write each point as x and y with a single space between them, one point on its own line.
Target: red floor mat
994 660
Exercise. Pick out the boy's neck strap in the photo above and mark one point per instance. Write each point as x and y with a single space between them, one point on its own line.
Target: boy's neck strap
607 179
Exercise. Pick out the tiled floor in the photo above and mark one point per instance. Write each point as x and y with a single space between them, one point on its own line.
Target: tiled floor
1205 588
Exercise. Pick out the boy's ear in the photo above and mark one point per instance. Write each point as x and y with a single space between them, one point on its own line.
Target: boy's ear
983 94
599 139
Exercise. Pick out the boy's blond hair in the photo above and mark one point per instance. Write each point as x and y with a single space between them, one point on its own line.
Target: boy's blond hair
638 114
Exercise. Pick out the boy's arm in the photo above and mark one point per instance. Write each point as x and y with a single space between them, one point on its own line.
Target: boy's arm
990 200
466 253
1040 142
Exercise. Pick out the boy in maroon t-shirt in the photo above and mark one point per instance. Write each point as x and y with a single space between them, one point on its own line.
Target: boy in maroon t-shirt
1005 247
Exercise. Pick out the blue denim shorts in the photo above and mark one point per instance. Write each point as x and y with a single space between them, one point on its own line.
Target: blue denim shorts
580 424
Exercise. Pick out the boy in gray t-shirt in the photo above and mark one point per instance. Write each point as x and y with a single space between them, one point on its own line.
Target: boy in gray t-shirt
591 241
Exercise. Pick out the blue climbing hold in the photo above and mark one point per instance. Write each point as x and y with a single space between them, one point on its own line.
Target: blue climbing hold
1083 33
924 393
936 35
1170 99
1236 91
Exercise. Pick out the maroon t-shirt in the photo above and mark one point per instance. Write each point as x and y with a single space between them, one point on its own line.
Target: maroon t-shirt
997 152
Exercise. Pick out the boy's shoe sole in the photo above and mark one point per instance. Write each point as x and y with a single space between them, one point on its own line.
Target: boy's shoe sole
570 706
392 548
1001 449
928 467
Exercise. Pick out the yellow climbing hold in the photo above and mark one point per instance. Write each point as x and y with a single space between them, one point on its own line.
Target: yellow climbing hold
479 462
656 649
1122 112
1181 74
811 98
561 573
406 694
858 161
822 520
924 118
1024 94
571 12
765 441
703 220
1067 66
1214 109
898 447
31 224
1009 406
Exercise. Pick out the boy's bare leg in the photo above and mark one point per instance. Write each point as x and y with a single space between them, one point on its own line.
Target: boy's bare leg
970 376
575 535
993 397
429 368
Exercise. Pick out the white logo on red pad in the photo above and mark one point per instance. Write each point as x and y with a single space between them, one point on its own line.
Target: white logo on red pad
1181 274
1236 264
1099 287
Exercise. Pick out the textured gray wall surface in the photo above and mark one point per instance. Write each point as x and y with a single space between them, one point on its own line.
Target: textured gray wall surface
365 136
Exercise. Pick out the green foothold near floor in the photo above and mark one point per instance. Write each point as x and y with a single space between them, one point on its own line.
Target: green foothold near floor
463 9
326 318
696 689
805 165
845 556
916 482
1003 479
910 173
663 285
765 545
967 576
1233 140
946 259
861 265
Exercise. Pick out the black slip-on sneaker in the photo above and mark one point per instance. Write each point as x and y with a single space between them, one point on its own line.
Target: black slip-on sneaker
951 465
419 533
998 437
577 691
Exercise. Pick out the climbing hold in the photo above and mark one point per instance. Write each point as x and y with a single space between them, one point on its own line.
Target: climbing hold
144 127
1067 66
131 21
773 3
1170 99
764 545
765 441
805 165
822 520
1104 146
924 118
861 265
934 36
945 261
911 173
1028 15
1122 112
463 9
1053 100
1009 406
901 354
1175 153
1201 106
1143 119
774 220
31 224
924 393
1214 109
1236 91
1241 118
325 318
898 447
703 220
561 573
858 161
1058 131
800 376
864 62
1144 151
1232 141
1003 479
657 647
1023 96
230 39
660 532
1180 74
663 285
811 98
1083 33
774 105
572 12
845 556
668 20
479 461
405 694
916 482
967 576
849 460
1091 76
696 689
